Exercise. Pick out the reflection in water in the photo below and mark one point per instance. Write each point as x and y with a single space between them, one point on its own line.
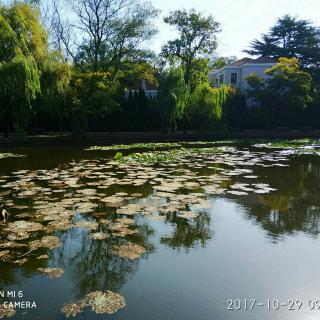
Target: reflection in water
295 207
188 234
92 264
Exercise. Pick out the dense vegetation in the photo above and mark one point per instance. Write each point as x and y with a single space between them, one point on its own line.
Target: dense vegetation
63 75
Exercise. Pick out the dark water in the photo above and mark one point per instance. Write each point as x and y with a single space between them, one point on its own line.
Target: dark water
252 248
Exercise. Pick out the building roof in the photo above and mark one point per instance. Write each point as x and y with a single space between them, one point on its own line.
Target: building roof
264 60
241 62
251 61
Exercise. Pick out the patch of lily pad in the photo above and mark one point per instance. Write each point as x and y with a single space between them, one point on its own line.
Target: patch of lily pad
7 311
129 250
295 146
100 302
51 272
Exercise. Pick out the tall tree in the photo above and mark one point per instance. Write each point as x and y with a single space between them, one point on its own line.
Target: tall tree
197 39
291 38
22 49
110 31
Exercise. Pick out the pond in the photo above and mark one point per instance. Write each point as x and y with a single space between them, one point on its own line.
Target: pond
222 230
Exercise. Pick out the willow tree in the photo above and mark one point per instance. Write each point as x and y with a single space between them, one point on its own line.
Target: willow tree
173 97
206 106
23 48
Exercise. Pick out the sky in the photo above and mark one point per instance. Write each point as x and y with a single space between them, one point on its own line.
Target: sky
241 20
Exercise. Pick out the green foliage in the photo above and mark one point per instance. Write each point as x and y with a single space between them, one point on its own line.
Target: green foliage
285 93
132 72
291 84
118 156
288 85
220 62
52 106
197 37
173 96
205 107
19 85
93 95
236 110
198 72
32 78
22 48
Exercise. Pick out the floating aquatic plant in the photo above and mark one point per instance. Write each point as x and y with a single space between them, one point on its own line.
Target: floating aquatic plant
118 156
99 236
90 225
6 311
72 309
49 242
100 302
129 250
51 272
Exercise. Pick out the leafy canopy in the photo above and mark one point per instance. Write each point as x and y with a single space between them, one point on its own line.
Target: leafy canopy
288 86
196 39
23 46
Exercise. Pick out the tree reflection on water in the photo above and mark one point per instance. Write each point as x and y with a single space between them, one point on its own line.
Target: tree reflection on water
295 206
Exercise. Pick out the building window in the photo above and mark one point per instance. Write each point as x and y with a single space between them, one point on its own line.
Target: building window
221 79
234 78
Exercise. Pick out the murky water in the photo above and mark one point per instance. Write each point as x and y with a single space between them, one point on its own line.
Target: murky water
219 233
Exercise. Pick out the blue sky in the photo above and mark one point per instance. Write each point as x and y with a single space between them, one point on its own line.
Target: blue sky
241 20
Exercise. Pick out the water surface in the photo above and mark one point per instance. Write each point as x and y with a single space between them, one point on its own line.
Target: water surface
216 225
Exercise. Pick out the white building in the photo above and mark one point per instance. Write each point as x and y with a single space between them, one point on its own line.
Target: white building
236 73
150 90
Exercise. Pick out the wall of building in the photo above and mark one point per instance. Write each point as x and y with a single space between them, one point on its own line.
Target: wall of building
248 69
242 72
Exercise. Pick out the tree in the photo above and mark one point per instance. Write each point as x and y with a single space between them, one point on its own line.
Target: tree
291 84
197 38
52 106
22 49
93 96
286 92
291 38
173 97
220 62
111 31
205 109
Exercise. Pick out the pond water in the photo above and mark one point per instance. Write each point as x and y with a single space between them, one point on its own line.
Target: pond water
193 231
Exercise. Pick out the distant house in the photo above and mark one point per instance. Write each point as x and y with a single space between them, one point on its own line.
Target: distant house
149 90
236 73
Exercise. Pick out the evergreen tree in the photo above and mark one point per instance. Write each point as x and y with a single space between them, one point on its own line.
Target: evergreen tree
291 38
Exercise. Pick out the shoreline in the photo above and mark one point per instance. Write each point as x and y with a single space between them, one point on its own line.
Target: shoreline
69 138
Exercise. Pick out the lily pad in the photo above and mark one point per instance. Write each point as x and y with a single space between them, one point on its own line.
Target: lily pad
6 311
105 302
99 236
129 250
51 272
49 242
